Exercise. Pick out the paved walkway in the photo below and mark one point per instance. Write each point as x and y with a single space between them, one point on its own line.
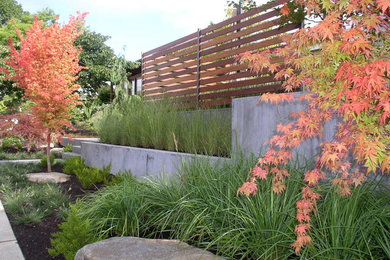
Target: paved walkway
9 248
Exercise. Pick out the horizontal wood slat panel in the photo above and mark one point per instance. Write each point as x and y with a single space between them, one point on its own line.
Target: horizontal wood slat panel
201 69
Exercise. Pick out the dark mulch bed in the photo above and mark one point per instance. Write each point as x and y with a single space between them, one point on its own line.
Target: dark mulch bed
34 239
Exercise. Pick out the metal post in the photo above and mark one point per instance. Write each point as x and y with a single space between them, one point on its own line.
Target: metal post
198 72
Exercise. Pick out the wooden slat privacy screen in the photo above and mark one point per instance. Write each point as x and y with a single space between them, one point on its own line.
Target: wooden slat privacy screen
200 69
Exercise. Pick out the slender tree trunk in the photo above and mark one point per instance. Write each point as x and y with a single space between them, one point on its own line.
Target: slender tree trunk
111 92
48 152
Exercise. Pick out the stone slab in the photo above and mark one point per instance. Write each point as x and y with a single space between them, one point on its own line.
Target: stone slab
141 162
134 248
6 233
43 177
9 248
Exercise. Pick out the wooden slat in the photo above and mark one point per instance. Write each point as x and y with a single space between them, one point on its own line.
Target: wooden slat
240 92
171 63
168 45
251 47
236 35
249 39
172 69
238 26
242 16
228 77
171 75
172 81
237 84
225 70
161 59
186 91
174 49
169 88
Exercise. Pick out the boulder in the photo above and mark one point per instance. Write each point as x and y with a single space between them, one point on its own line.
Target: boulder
134 248
54 177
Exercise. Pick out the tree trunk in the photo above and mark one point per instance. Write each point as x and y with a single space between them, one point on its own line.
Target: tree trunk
48 152
111 92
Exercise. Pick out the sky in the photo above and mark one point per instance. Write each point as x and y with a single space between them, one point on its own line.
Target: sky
139 25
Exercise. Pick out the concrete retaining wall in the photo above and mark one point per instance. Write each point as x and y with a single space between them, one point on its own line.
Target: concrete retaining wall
142 162
254 124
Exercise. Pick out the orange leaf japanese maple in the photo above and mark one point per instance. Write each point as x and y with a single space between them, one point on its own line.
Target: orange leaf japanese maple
344 62
46 66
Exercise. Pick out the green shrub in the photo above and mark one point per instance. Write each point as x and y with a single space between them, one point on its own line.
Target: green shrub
44 160
68 148
73 164
104 95
74 233
88 176
12 142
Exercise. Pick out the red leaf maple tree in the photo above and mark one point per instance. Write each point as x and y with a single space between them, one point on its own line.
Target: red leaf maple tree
46 66
344 62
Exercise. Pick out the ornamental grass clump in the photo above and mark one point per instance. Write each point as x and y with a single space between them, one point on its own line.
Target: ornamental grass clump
130 121
201 207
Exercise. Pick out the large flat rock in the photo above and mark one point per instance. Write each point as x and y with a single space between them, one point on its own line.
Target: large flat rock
54 177
134 248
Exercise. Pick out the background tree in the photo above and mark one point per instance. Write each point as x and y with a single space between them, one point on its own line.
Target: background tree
10 94
344 61
9 9
46 66
97 58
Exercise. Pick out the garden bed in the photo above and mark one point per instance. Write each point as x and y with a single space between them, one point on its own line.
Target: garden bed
34 237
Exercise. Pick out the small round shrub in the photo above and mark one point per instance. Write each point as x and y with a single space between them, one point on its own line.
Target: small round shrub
104 95
12 142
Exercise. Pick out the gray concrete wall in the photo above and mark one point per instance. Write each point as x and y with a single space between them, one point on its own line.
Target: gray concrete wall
254 124
142 162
